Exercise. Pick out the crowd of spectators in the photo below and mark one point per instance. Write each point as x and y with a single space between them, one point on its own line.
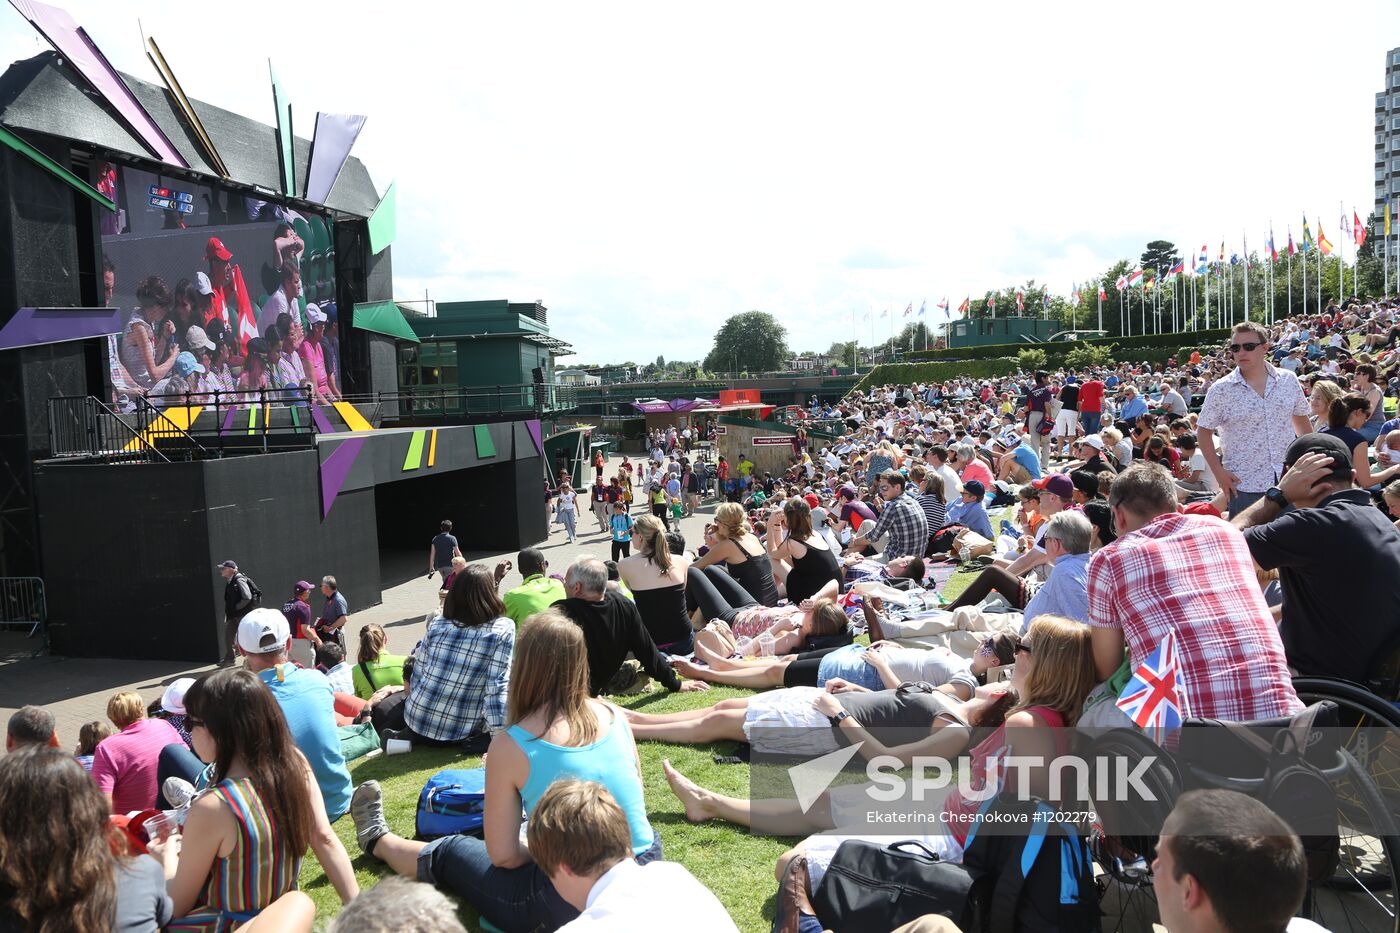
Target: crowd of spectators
1216 500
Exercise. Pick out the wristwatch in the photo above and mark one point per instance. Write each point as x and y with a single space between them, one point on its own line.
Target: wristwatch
1276 496
836 720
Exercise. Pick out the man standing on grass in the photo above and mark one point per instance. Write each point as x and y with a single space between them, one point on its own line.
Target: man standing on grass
1257 410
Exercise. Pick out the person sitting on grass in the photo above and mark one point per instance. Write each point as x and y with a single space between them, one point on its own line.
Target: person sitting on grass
330 660
553 728
1064 540
580 839
31 725
732 543
64 867
89 736
398 905
612 628
375 668
124 765
461 671
244 838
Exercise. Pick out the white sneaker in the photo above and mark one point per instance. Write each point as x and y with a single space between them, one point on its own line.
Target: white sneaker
178 792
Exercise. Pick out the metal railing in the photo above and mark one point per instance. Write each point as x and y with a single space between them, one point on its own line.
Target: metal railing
22 604
82 426
158 428
481 401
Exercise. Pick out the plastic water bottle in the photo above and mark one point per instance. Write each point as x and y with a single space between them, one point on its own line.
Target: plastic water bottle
965 554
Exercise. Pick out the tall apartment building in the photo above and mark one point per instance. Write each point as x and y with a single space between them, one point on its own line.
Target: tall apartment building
1388 155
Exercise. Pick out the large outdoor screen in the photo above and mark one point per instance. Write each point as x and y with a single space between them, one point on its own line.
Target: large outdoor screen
203 271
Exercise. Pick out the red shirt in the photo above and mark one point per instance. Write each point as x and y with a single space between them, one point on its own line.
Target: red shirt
1091 396
1194 576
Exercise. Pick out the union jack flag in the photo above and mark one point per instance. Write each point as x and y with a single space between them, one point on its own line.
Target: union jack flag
1153 697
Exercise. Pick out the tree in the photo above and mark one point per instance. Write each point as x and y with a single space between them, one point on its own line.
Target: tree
1089 356
661 362
914 336
1030 360
1159 256
750 342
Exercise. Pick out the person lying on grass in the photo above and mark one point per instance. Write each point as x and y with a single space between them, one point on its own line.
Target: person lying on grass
1054 673
882 666
910 720
732 613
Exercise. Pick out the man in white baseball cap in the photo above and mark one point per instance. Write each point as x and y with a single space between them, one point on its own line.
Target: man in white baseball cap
306 700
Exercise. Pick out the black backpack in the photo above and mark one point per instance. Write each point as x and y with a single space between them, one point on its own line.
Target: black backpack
873 886
253 588
1040 880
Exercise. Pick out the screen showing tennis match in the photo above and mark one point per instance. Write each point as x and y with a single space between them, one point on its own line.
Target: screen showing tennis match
198 272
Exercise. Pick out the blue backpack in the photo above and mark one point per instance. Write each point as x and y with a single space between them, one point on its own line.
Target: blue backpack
451 803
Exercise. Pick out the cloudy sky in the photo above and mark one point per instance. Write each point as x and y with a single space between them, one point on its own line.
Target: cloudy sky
648 169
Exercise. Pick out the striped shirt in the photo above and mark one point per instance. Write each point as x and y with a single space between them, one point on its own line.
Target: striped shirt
255 873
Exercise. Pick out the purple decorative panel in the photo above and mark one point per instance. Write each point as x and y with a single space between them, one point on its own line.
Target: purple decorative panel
87 59
31 327
335 468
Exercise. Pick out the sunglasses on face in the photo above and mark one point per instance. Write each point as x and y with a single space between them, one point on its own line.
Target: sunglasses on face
1023 646
191 723
1249 346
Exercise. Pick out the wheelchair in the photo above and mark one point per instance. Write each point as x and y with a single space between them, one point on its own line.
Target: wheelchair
1357 750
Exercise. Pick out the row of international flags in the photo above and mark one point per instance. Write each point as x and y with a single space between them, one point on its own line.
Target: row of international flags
1202 266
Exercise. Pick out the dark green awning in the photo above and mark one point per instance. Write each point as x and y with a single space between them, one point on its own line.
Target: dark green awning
383 317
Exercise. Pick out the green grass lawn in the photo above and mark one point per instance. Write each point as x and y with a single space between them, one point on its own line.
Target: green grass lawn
736 866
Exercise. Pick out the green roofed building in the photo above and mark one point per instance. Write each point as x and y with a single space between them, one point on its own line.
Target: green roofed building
471 353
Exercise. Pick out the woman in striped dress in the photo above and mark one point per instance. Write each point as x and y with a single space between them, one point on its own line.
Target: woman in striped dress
245 835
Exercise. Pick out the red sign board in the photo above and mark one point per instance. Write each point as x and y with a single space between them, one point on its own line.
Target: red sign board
739 397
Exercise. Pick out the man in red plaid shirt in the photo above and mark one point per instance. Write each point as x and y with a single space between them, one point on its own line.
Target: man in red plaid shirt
1192 575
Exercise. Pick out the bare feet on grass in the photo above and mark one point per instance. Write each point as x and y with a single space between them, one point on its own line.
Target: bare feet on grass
694 798
689 669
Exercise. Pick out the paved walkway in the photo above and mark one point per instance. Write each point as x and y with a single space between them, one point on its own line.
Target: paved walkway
76 690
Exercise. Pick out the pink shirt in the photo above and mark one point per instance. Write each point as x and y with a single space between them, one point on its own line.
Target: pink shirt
313 360
978 470
125 764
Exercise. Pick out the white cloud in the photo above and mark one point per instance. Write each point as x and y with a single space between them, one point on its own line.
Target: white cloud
649 169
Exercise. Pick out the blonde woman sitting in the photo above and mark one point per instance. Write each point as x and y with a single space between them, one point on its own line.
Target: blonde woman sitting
734 545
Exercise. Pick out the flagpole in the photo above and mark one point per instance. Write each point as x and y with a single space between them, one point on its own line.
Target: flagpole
1305 279
855 346
1341 264
1099 286
1207 290
1245 236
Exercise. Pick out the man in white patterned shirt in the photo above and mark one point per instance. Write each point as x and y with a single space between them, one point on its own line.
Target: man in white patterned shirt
1258 410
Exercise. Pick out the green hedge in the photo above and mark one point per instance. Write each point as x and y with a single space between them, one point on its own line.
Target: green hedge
937 371
1214 336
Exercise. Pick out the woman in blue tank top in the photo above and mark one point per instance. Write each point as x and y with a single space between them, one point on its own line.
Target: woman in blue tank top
554 731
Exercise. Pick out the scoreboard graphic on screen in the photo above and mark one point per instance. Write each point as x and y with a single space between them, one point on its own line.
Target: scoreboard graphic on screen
168 199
